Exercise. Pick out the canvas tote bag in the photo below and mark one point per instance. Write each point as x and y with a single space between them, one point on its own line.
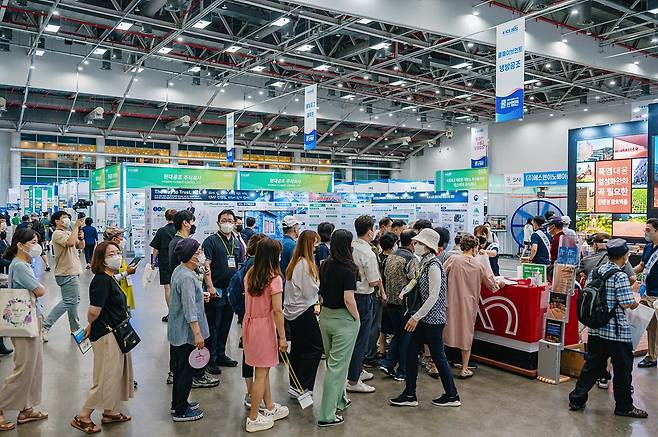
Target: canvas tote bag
18 313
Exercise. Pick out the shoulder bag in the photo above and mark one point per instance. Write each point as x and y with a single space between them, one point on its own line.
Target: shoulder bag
18 313
124 333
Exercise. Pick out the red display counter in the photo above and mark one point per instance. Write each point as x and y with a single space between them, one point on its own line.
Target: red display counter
510 323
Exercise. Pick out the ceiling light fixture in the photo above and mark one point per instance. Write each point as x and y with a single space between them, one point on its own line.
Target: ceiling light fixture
165 50
305 48
39 52
364 21
585 110
137 69
347 96
32 67
51 28
261 92
574 11
470 45
100 51
281 22
124 25
654 40
56 13
462 65
530 81
322 67
258 68
232 49
278 84
381 45
548 65
564 40
366 76
179 39
613 82
390 114
201 24
80 68
398 83
194 69
340 85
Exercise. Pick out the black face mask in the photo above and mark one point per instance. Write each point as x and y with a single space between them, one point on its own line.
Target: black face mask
3 235
239 228
192 229
482 240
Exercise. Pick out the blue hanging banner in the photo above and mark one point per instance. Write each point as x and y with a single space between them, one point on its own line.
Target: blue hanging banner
230 137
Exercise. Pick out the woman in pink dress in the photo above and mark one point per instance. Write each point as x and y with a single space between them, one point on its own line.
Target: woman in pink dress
466 275
263 320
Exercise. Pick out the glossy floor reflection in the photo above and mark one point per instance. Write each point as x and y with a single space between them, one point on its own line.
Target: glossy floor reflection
495 403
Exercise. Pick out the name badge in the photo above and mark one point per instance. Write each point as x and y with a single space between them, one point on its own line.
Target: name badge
129 280
231 263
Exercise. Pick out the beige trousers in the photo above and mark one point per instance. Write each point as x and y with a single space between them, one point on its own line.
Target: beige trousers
22 389
113 375
652 329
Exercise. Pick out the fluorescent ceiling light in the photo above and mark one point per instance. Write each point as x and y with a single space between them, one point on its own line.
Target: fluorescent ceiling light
653 11
52 28
409 107
462 65
347 96
281 21
278 84
398 83
305 48
529 81
259 68
462 117
201 24
137 69
364 21
165 50
462 96
323 67
124 25
232 49
381 45
100 51
39 52
194 69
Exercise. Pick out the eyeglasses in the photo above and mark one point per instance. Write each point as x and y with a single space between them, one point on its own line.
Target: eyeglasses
227 221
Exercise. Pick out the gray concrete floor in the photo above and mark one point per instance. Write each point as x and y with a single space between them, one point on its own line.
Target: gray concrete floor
495 403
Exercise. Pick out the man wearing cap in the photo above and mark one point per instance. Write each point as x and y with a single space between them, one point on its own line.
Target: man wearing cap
649 265
612 340
555 230
123 276
290 234
188 327
567 230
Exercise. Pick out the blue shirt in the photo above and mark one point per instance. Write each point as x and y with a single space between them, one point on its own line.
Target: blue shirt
91 234
542 255
288 247
618 291
652 276
185 307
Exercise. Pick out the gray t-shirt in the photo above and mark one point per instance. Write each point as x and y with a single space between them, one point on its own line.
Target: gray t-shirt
185 306
21 275
599 259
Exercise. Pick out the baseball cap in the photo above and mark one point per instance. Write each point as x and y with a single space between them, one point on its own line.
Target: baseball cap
289 221
617 247
112 231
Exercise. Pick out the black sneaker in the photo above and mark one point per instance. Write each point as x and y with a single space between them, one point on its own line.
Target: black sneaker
227 362
214 369
191 405
646 363
576 407
387 371
339 420
370 364
635 412
170 378
447 401
405 401
165 319
602 383
189 416
206 381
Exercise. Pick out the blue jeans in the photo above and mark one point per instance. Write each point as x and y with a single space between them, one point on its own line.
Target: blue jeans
364 303
431 335
397 350
70 288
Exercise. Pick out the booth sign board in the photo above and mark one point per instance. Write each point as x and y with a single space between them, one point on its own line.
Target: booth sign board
286 181
463 179
179 177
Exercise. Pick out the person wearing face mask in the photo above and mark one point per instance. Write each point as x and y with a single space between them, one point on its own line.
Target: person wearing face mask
369 278
123 275
649 266
66 240
488 247
21 390
290 234
113 370
187 328
223 254
237 233
466 275
36 226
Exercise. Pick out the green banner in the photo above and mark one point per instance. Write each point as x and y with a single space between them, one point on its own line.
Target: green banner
179 177
528 271
97 179
286 181
464 179
106 178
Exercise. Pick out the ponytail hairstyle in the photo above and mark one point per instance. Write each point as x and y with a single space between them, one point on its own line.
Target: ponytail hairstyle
266 266
23 236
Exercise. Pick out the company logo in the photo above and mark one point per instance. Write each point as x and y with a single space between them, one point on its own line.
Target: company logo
508 307
511 30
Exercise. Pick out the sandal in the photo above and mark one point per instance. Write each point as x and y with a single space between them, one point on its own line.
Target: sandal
115 418
30 415
86 427
466 373
6 425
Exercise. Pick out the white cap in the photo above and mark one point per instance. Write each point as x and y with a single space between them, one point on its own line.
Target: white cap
566 219
429 237
289 221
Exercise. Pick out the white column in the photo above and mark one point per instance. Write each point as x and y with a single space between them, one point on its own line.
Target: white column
348 174
100 148
296 159
5 165
239 154
15 166
173 151
395 174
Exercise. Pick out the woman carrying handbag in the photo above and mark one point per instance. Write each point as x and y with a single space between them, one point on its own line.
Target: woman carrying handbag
22 389
107 316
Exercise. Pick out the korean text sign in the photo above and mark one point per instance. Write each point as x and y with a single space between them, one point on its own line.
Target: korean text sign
510 67
613 186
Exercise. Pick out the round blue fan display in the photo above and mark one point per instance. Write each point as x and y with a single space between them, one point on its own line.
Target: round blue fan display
529 210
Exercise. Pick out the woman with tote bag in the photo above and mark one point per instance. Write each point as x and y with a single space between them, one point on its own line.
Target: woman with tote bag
21 390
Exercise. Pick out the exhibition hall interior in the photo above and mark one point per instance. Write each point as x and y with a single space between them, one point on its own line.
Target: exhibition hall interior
313 217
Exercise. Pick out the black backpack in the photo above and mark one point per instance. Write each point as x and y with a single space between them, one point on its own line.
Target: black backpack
592 302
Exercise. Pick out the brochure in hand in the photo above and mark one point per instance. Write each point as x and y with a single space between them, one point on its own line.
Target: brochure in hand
83 343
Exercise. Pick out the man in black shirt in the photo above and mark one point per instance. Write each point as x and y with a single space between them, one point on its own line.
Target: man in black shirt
160 246
223 253
249 230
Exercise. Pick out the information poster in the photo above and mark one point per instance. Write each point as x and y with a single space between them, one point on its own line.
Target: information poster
479 145
611 185
510 68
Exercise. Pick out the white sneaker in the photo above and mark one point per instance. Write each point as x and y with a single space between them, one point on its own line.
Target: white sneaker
277 413
260 424
365 375
360 387
247 403
44 335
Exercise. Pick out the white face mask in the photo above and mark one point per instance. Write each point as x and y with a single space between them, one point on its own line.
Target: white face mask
66 221
113 263
226 228
35 251
201 259
420 249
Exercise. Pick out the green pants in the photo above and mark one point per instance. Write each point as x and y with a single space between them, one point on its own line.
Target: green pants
339 331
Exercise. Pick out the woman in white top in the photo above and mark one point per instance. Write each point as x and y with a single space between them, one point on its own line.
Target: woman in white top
300 297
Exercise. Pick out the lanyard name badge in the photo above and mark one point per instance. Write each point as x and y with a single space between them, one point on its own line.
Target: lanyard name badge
230 257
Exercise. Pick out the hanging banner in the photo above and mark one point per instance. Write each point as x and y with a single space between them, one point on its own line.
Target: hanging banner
510 67
230 137
462 179
479 145
286 181
179 177
310 116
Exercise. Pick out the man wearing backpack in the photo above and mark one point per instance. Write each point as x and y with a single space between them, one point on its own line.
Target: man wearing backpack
649 265
613 339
